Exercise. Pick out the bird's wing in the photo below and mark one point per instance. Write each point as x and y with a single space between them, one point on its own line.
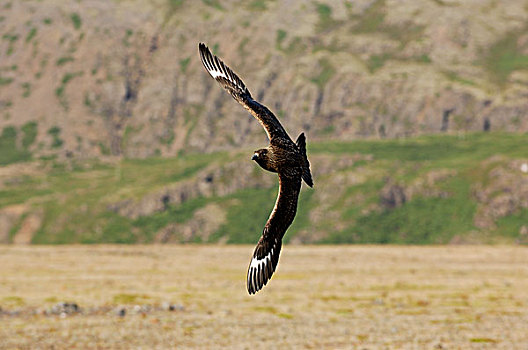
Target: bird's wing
235 86
266 255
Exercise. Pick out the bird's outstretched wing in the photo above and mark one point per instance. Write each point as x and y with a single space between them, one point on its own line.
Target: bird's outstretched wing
266 254
235 86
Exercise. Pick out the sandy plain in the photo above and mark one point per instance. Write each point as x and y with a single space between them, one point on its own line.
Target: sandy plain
321 297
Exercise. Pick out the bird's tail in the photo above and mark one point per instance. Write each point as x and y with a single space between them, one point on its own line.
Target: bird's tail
306 175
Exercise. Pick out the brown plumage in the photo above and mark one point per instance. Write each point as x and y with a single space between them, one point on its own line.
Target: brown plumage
282 156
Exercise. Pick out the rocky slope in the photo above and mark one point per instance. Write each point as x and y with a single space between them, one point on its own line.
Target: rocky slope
91 78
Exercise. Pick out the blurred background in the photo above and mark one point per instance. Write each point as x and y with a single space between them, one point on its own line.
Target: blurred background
415 112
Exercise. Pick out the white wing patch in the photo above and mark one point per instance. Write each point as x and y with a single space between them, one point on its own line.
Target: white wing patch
263 262
215 74
261 270
258 266
218 69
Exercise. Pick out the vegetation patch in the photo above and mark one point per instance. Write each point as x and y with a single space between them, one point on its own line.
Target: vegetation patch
54 132
281 35
11 39
505 57
59 91
184 63
214 4
26 89
13 301
326 22
11 152
75 198
375 62
420 221
29 130
32 33
247 216
371 19
5 81
63 60
454 77
14 229
483 340
514 226
257 5
326 72
76 20
130 298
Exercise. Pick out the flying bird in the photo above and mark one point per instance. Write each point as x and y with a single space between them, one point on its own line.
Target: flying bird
282 156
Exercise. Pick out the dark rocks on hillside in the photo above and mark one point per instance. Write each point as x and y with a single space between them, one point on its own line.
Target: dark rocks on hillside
503 192
392 195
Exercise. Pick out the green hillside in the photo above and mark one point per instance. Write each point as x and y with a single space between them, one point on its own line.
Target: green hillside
429 189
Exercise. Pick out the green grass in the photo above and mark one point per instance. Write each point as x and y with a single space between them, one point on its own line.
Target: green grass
327 71
14 229
424 220
452 76
5 81
246 218
82 197
11 38
76 20
32 33
216 4
75 202
63 60
10 152
375 62
483 340
124 298
59 91
326 22
510 226
30 133
445 148
184 63
281 35
504 57
419 221
371 20
26 89
257 5
54 132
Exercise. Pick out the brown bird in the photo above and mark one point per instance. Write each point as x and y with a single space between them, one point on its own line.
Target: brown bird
282 156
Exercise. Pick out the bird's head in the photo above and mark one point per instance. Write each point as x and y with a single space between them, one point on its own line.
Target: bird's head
260 155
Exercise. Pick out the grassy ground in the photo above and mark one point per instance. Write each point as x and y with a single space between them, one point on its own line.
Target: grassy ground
72 198
369 297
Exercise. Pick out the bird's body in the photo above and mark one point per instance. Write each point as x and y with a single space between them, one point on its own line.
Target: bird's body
282 156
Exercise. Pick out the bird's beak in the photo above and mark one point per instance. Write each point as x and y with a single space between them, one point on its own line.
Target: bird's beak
255 156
